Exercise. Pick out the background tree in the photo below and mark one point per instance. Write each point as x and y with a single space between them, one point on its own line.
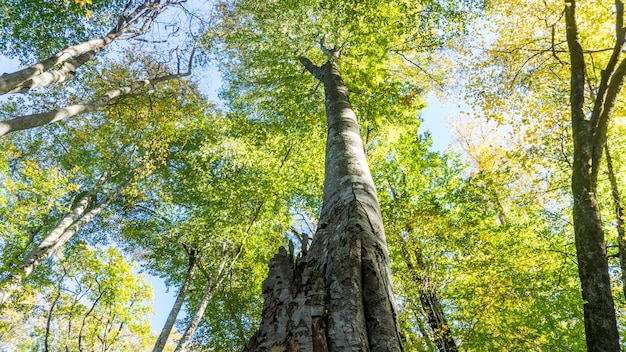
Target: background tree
582 42
107 156
222 202
96 301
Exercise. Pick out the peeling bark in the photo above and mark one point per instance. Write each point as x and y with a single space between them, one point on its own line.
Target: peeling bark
338 296
294 316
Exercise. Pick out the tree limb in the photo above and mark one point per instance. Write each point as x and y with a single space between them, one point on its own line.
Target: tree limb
36 120
35 76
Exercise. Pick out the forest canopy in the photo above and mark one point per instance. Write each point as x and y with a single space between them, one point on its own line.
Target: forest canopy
267 161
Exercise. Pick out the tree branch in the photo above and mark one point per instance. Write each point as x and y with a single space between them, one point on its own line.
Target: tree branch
35 76
608 72
600 130
316 71
37 120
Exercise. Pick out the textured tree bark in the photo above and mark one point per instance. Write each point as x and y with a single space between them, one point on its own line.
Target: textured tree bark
338 296
178 304
294 316
599 309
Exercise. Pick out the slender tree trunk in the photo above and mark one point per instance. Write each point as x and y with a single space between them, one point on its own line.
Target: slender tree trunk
49 317
619 215
84 321
36 120
442 334
35 76
65 229
424 285
338 296
130 24
599 309
180 298
213 283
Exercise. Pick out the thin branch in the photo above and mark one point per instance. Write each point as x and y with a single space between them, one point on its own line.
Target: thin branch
93 306
49 318
602 123
432 78
552 35
619 215
609 71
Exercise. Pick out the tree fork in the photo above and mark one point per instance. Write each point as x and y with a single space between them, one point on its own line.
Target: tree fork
599 309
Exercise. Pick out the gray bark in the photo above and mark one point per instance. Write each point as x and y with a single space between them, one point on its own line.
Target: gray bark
589 140
178 304
347 265
65 229
130 24
36 120
294 315
214 281
36 76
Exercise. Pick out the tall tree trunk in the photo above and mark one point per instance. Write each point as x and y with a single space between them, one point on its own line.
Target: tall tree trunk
338 296
178 304
589 136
